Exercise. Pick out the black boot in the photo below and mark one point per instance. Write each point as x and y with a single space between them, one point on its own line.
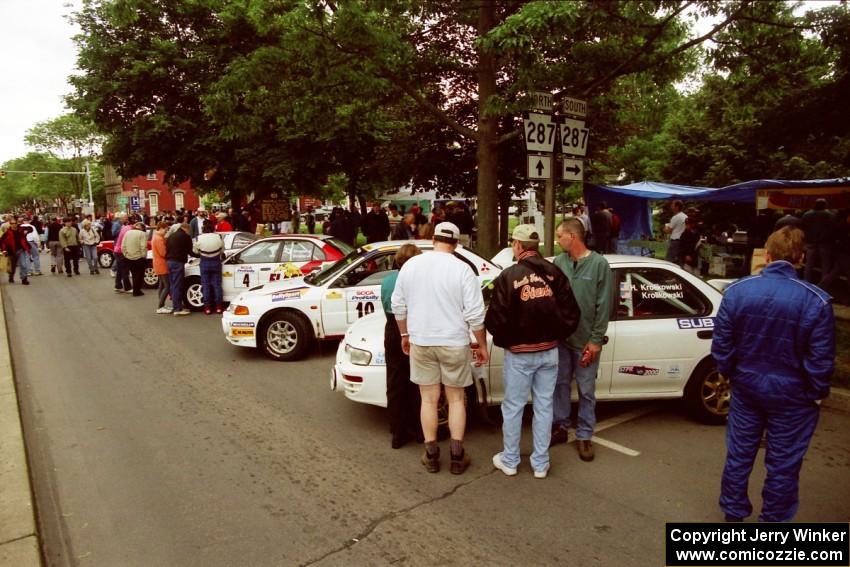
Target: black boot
25 281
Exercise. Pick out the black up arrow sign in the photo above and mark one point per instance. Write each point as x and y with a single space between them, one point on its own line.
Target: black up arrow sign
539 167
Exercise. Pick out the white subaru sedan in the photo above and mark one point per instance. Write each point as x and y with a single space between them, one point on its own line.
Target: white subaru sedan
284 317
658 345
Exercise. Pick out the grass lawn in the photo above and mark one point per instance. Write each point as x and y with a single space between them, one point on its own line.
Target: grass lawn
841 377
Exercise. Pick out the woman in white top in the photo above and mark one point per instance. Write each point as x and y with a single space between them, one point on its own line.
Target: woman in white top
89 239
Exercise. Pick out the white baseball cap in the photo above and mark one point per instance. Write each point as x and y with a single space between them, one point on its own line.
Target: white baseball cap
447 230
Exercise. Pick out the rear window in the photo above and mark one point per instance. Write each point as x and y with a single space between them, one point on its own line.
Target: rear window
656 293
343 247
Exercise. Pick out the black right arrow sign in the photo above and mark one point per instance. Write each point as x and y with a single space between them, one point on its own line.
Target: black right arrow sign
572 169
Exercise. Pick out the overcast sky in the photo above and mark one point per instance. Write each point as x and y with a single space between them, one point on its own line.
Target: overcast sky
36 57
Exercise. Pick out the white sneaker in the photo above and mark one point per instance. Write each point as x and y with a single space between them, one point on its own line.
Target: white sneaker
164 310
542 474
182 313
497 462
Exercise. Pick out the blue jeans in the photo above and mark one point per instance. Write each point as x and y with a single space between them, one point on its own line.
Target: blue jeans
23 263
35 258
568 365
211 281
175 279
524 373
90 254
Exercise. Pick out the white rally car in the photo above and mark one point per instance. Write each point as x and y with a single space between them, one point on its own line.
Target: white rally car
233 242
658 345
261 261
284 318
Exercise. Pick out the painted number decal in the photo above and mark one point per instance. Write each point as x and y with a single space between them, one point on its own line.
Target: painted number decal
360 302
245 277
365 308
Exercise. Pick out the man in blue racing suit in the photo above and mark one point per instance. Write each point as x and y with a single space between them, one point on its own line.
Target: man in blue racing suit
774 338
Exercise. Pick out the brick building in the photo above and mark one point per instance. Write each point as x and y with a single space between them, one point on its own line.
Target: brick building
154 193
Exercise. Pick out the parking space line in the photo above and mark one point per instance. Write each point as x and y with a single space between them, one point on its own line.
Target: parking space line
624 417
615 446
615 421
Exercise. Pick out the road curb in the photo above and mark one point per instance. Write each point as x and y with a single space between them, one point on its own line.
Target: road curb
838 399
19 543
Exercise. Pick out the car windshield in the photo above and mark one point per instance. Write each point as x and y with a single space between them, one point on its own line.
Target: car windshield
321 278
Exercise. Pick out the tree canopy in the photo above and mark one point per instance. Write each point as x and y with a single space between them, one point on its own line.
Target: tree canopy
63 145
270 95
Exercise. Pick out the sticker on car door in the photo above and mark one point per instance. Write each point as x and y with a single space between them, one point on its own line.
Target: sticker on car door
246 276
361 302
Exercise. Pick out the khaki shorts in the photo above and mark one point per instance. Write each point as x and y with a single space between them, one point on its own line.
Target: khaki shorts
450 366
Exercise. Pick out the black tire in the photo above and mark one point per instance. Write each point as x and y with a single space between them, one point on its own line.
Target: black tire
150 279
286 335
105 259
193 296
708 394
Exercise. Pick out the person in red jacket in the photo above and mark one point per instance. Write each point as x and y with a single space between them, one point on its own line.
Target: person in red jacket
14 244
223 224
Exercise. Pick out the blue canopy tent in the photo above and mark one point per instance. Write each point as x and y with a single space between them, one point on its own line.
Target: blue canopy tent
631 202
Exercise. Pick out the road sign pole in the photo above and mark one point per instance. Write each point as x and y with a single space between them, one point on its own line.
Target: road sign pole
549 213
88 182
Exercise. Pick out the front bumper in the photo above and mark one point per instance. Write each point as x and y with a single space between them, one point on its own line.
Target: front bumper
240 330
372 387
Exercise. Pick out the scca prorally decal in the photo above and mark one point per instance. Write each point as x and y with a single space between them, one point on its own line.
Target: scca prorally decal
638 370
696 323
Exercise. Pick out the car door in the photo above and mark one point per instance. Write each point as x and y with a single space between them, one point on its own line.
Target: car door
355 293
250 267
662 330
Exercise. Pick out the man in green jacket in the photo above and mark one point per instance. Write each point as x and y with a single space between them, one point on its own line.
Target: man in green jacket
70 246
590 280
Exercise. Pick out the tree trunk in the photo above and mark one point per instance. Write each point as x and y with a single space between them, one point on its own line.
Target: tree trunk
487 154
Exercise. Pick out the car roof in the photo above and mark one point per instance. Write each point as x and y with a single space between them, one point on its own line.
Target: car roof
320 237
614 259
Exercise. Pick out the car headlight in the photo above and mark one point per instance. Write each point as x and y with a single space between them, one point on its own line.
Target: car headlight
358 356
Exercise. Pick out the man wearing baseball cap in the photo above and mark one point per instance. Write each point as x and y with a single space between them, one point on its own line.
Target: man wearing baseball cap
436 302
532 309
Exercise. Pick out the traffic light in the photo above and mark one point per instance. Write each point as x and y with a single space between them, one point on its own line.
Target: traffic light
2 174
34 175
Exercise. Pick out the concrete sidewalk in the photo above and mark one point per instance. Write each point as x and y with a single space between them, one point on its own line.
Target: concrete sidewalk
19 544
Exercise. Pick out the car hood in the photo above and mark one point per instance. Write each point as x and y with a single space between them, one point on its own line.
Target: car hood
368 332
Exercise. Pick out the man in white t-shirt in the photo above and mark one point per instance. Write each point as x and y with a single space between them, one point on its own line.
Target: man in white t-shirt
436 302
675 228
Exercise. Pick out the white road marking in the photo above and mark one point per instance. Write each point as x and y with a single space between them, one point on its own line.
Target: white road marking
624 417
615 421
615 446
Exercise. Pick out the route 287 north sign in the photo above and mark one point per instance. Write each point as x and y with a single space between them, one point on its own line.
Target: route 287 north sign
539 131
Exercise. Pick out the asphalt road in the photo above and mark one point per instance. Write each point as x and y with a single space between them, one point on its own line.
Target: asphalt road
154 442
